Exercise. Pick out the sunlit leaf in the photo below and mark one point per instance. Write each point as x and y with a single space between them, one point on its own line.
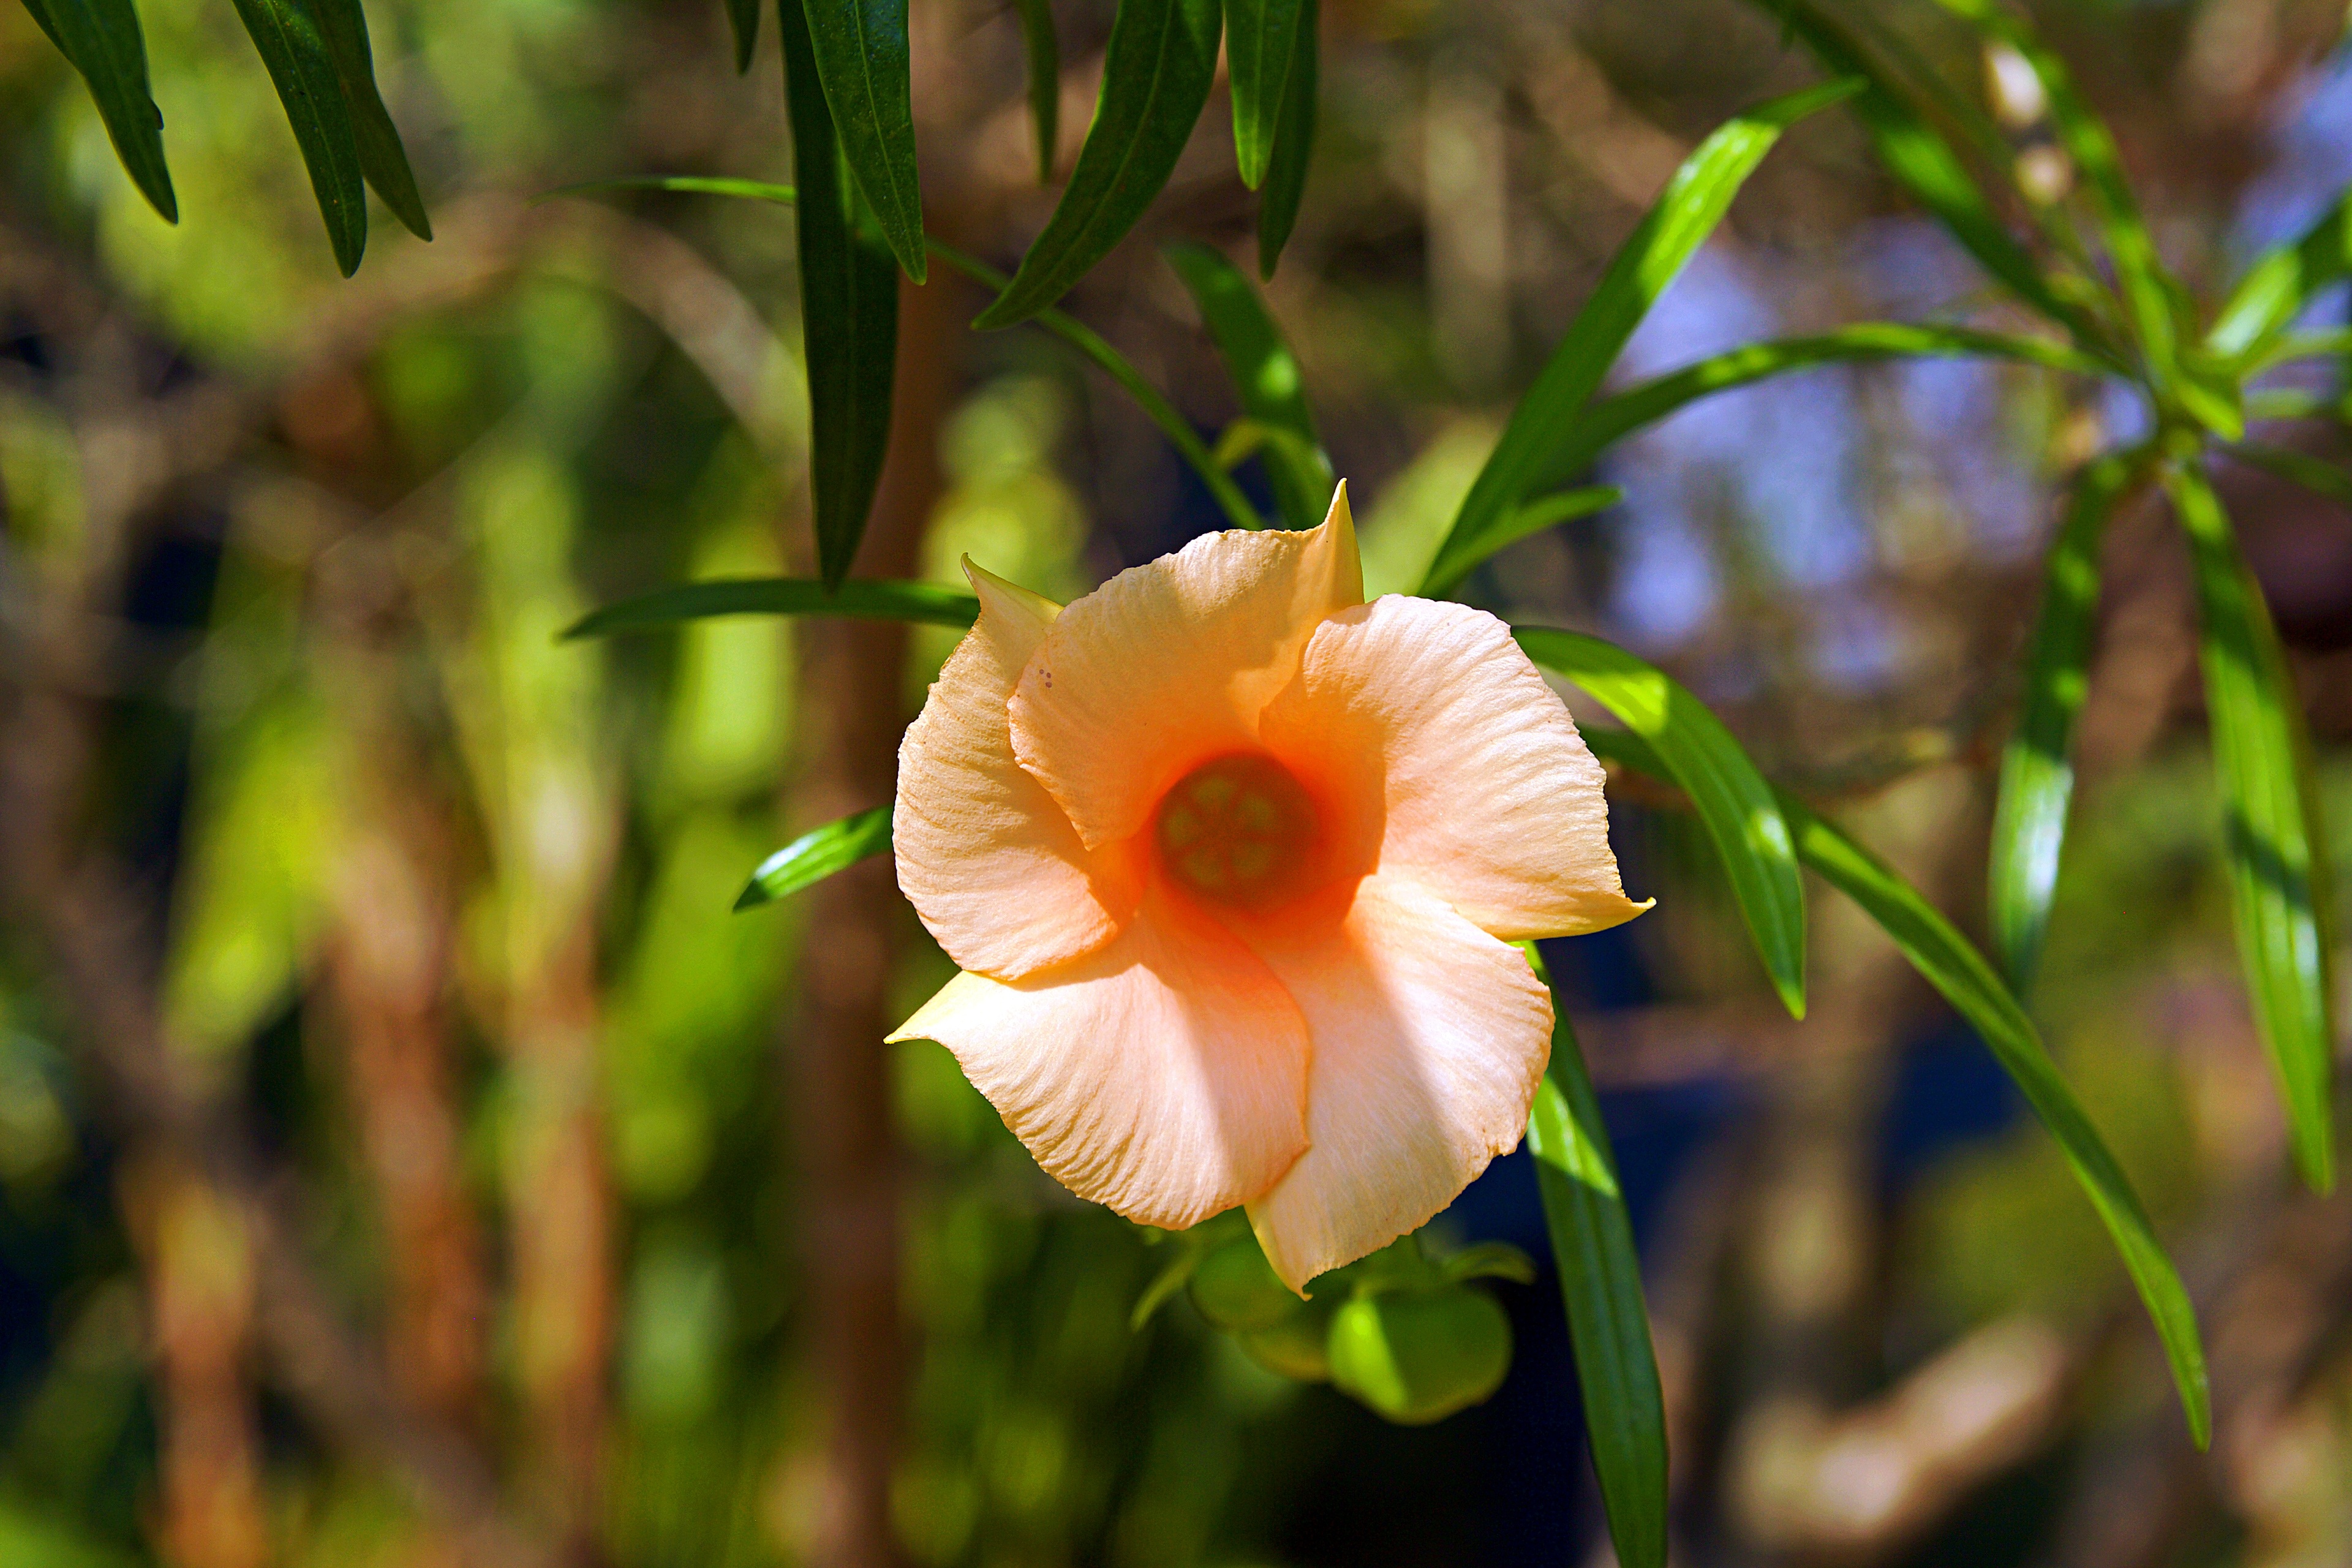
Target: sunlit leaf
849 319
1294 145
817 855
1157 70
100 38
1044 49
743 20
1087 342
1266 374
1945 958
2282 281
1735 804
1601 1285
858 599
1694 200
1259 37
2037 774
294 46
861 56
2270 803
383 159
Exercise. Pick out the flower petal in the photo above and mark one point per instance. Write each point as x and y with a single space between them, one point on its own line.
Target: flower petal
1170 664
1489 798
1429 1038
984 854
1164 1076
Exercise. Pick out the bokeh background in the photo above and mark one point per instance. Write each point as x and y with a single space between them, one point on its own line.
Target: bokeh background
407 1160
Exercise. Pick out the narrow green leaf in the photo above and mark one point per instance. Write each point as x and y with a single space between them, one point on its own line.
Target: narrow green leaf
1157 68
2269 802
1695 202
2153 297
1945 958
2287 347
1294 145
849 317
2282 281
1044 49
860 598
383 159
743 20
100 38
1259 37
2037 775
1601 1285
1925 163
860 51
817 855
1156 408
1266 374
294 46
1488 1260
1611 419
2314 474
1548 511
1735 804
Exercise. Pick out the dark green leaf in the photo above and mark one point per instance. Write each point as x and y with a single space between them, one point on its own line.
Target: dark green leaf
860 51
859 599
1600 1284
2270 803
1488 1260
1044 51
1925 163
2037 776
743 20
1694 200
2282 281
1945 958
2151 295
1266 374
1735 804
817 855
1259 37
1548 511
2314 474
1294 145
100 38
294 47
381 158
849 318
1156 73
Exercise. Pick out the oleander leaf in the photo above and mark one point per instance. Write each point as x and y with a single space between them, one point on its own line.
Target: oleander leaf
860 598
1259 37
1043 47
2037 774
1157 70
2282 281
861 56
1266 374
1294 145
817 855
382 160
1947 961
849 316
1601 1286
100 38
1735 804
2317 475
743 21
1694 203
2271 830
293 46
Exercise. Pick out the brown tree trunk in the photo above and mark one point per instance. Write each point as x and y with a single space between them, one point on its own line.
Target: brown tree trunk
852 676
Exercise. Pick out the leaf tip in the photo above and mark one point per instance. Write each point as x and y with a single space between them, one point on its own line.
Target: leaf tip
753 896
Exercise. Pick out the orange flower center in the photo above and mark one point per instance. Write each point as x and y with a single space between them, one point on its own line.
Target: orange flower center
1239 830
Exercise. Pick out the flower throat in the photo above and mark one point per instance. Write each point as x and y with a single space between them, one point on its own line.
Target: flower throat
1239 830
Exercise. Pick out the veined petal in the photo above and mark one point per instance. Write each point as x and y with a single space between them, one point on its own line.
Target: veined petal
1489 798
986 857
1164 1076
1170 663
1428 1039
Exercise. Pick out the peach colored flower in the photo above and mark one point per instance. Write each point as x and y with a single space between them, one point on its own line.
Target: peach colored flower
1233 862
